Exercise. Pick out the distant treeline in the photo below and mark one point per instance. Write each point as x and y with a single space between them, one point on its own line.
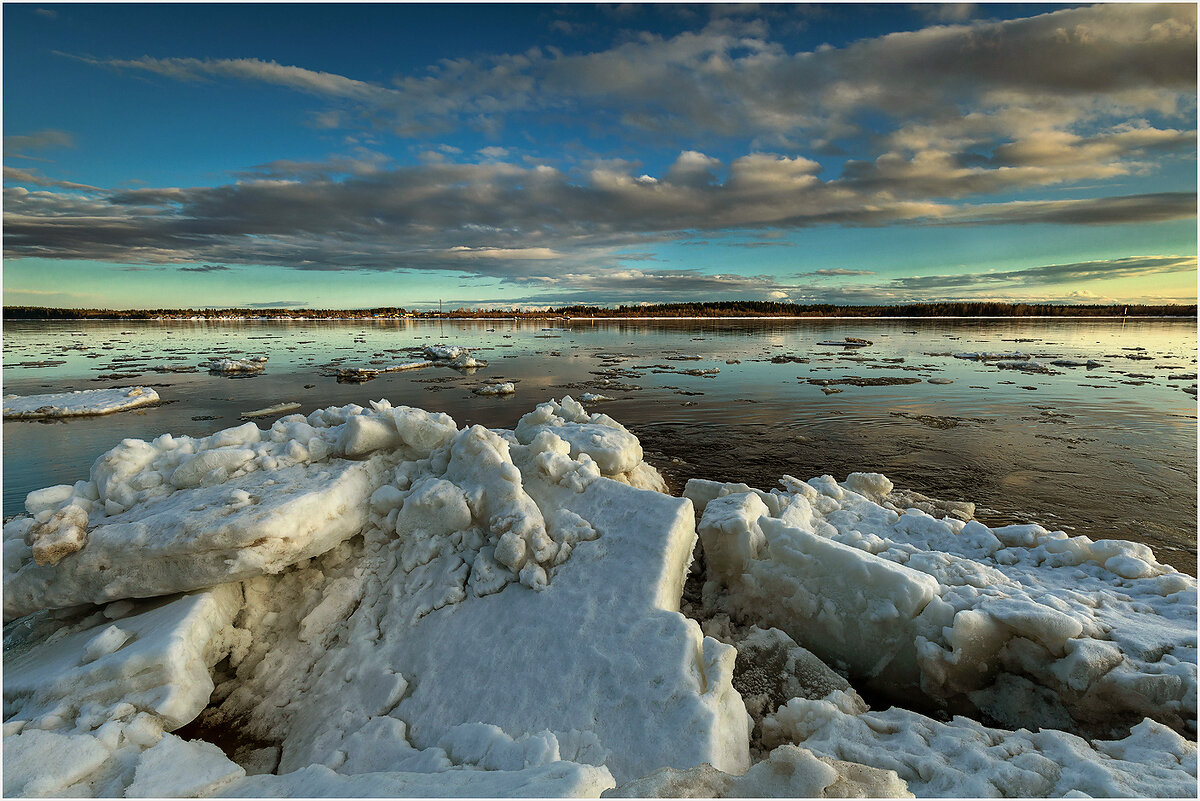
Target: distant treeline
732 308
44 313
754 308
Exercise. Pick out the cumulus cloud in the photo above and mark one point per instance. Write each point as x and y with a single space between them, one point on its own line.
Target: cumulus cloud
493 218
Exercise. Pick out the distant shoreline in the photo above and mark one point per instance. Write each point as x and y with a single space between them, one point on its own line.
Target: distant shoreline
715 310
574 320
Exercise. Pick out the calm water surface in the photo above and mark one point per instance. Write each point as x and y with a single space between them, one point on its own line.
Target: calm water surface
1108 451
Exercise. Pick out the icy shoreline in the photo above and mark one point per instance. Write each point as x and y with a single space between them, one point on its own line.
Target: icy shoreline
374 601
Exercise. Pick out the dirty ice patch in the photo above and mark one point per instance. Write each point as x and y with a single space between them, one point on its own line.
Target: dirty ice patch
86 402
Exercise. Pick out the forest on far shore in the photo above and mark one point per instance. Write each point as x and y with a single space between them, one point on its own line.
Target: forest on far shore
728 308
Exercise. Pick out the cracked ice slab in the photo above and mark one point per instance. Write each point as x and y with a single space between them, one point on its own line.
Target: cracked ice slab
504 583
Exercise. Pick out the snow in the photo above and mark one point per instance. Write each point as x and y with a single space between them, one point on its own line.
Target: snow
77 404
373 601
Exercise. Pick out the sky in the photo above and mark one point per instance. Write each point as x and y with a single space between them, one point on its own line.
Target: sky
355 156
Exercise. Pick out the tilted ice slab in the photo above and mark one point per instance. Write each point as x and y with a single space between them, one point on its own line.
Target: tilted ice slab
155 661
1029 626
83 403
962 758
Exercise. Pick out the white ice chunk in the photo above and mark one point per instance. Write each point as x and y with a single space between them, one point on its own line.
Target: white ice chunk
41 763
82 403
204 536
182 768
157 661
965 759
507 388
613 448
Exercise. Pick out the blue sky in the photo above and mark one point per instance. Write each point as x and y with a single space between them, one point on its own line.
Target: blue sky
363 155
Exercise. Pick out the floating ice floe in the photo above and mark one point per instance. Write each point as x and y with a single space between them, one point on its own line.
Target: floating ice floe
368 373
374 601
983 357
1026 366
848 342
594 397
507 388
83 403
1090 363
250 366
454 356
273 410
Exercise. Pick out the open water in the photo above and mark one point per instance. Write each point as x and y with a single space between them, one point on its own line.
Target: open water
1107 451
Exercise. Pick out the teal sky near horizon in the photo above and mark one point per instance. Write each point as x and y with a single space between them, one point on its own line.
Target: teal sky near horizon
310 155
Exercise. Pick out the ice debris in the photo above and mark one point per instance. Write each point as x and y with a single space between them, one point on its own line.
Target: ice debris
506 388
83 403
455 356
250 366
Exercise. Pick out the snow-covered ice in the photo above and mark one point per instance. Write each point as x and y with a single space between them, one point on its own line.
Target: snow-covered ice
454 356
368 601
506 388
82 403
